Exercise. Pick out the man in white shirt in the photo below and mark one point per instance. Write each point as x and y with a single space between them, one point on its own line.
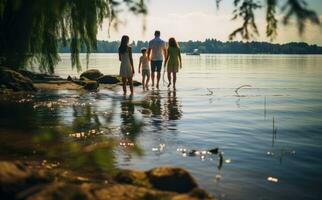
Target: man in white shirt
156 52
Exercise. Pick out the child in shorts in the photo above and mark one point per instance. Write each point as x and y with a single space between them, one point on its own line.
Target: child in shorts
144 63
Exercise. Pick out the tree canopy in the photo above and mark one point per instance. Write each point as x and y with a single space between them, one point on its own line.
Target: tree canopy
30 30
246 10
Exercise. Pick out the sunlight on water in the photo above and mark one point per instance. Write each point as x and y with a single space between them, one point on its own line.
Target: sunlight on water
244 125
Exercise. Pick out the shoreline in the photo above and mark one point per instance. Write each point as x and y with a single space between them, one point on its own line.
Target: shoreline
26 81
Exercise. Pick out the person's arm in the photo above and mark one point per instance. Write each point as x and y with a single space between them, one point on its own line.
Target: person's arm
165 52
140 63
180 60
120 57
131 60
166 58
149 51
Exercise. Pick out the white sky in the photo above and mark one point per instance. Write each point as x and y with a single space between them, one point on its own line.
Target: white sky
198 20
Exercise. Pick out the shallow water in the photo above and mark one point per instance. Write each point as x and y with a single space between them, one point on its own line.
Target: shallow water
262 159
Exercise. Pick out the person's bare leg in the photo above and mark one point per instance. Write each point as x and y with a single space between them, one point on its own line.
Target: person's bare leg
169 78
158 79
143 82
131 85
152 77
174 80
147 82
124 85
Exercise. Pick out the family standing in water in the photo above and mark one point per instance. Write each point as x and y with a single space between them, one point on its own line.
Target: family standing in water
152 58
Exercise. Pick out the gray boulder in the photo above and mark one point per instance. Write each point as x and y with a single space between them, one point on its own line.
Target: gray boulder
172 179
136 83
90 85
161 178
92 74
15 81
107 79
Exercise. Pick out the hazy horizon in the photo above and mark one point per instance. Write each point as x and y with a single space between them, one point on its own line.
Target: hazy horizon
198 21
203 40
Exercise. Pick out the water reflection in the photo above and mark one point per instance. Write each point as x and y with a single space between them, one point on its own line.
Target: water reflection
76 133
85 118
278 151
163 107
131 126
154 104
173 109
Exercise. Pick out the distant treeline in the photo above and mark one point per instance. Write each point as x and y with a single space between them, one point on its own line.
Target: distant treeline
216 46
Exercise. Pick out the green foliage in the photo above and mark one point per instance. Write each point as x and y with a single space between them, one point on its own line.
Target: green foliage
298 9
32 29
271 27
246 10
218 3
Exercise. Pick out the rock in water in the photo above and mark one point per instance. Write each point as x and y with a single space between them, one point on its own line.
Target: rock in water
136 83
107 79
91 85
172 179
214 151
92 74
192 152
15 81
69 78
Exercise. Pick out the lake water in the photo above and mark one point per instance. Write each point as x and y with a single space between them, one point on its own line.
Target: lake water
269 131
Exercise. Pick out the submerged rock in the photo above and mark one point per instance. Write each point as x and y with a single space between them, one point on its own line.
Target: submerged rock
107 79
90 85
136 83
15 81
214 151
172 179
194 152
87 84
92 74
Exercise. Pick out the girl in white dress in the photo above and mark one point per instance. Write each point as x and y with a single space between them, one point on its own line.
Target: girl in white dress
126 68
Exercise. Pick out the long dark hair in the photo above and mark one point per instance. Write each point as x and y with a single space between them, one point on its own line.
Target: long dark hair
124 44
173 43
